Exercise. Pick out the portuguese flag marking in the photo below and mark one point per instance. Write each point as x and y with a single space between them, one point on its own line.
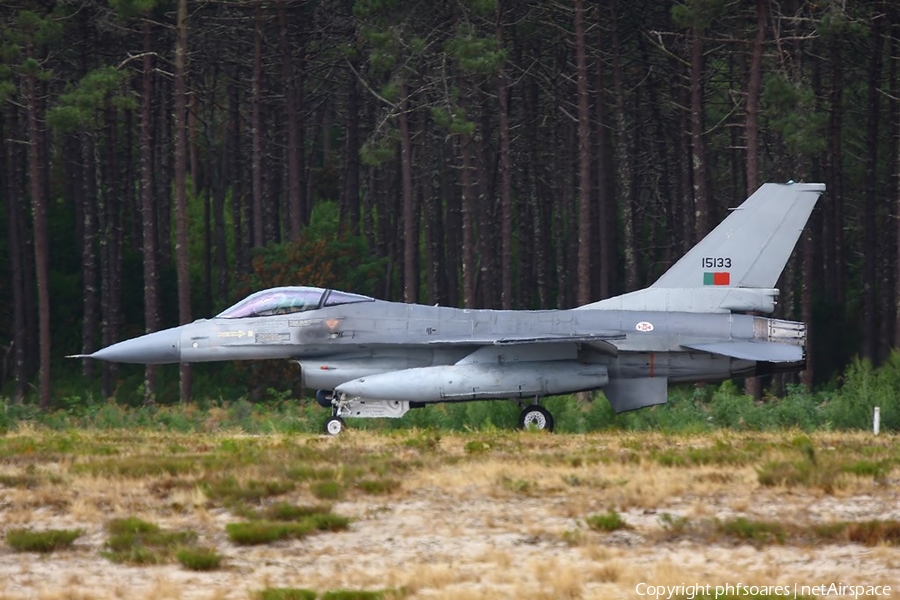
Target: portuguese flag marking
717 278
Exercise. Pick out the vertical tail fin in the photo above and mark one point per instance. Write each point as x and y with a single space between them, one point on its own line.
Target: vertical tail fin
750 248
735 267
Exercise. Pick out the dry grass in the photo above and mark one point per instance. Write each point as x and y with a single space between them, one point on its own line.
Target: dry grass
481 515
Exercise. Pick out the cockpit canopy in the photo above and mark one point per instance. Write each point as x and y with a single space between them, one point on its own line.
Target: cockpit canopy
286 300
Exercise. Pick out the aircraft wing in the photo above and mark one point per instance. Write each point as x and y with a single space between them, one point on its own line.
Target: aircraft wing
746 350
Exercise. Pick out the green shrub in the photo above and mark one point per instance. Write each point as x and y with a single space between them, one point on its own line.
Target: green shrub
611 521
50 540
327 490
290 512
134 541
327 522
758 532
353 595
378 487
199 559
249 533
286 594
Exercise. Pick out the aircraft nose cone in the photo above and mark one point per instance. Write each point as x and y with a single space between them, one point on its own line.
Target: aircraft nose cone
154 348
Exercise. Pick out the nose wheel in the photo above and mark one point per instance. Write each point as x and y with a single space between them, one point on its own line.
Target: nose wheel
334 425
536 417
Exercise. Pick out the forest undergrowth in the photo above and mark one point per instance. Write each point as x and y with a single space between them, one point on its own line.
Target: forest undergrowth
846 404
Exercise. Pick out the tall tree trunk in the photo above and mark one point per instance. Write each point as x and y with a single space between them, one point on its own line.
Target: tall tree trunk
702 208
623 159
606 212
584 161
256 128
180 158
89 270
294 164
751 127
410 213
539 225
485 209
506 203
351 188
163 170
468 225
835 172
110 222
18 249
148 212
236 179
41 234
753 385
870 202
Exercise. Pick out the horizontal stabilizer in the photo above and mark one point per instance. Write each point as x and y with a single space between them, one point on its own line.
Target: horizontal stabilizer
631 394
759 351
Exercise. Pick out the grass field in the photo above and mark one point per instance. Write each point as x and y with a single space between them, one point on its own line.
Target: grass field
426 514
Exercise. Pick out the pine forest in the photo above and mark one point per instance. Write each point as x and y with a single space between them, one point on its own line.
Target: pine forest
161 159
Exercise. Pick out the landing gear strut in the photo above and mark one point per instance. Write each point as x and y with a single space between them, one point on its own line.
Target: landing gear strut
335 424
536 417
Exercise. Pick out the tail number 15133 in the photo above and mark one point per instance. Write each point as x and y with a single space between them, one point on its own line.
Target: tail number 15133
716 262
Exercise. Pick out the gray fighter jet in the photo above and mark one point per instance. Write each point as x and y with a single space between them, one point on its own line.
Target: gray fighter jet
371 358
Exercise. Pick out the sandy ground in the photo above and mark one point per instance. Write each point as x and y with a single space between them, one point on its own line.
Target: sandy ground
464 531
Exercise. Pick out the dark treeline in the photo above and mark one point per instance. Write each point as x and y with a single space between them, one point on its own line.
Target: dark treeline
490 153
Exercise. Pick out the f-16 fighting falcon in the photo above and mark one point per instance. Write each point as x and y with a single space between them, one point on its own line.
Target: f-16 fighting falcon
372 358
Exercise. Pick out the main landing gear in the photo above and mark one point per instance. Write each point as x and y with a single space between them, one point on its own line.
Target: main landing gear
536 417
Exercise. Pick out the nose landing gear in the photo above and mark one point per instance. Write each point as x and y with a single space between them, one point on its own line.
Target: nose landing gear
334 425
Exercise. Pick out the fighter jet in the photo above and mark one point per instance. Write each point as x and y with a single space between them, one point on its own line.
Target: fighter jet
373 358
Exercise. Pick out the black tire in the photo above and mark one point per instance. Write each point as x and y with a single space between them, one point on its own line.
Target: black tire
537 417
323 398
334 426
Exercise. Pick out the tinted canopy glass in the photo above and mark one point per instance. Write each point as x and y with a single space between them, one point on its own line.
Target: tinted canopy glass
286 300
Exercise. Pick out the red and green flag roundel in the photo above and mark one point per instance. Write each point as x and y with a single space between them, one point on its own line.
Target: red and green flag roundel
717 278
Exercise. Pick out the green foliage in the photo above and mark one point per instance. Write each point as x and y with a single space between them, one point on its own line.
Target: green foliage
81 107
475 54
756 532
291 512
324 256
249 533
789 108
327 490
129 9
138 542
199 559
285 594
611 521
230 490
50 540
380 149
455 121
353 595
378 487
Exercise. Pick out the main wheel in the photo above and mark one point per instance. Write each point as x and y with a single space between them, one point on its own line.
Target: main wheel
536 417
334 425
323 398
